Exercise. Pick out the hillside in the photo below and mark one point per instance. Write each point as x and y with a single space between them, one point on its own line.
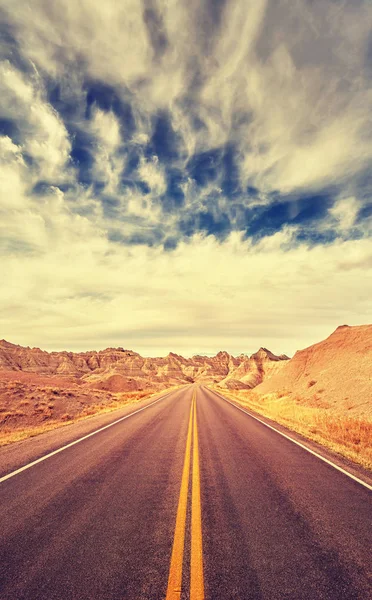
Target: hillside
335 373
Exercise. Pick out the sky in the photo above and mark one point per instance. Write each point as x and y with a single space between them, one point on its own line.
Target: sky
184 176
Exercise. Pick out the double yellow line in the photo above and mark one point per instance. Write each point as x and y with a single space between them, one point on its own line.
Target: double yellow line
196 562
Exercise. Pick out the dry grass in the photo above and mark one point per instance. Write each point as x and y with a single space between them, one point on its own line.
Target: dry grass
314 419
18 435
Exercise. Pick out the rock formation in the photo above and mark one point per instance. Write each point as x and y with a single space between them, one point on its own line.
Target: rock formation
116 369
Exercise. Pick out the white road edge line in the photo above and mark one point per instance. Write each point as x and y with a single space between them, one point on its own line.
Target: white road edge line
369 487
42 458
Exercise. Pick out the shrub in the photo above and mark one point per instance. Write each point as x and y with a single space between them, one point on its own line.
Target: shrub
66 417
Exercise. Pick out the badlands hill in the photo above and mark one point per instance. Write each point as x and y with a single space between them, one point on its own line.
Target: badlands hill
335 373
119 370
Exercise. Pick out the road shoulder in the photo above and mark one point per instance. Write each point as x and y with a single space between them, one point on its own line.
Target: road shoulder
340 461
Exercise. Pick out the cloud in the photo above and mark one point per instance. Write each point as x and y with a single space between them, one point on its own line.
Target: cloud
195 169
203 296
289 87
105 128
151 173
43 134
345 212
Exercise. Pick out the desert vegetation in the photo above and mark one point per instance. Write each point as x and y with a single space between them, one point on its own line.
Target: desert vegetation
28 409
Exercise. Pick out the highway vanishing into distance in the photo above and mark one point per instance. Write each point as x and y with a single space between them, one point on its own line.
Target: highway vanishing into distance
186 498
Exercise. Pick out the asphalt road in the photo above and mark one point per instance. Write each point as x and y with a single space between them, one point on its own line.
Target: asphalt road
189 494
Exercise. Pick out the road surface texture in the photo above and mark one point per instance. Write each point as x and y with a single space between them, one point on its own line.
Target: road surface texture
188 498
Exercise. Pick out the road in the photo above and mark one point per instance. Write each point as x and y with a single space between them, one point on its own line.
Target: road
188 498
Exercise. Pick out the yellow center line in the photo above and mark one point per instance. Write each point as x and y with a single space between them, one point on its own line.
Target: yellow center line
175 571
196 562
196 576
